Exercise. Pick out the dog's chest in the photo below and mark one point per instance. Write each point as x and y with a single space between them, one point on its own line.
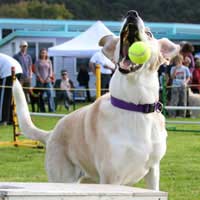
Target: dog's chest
138 135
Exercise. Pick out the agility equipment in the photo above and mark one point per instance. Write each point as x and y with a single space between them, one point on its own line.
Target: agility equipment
58 191
16 133
98 81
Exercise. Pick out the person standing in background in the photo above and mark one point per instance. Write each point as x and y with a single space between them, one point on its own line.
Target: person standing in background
163 78
196 77
6 64
106 67
187 50
180 75
83 80
44 72
25 61
187 62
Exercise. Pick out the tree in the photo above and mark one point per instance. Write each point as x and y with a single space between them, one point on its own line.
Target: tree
35 9
155 11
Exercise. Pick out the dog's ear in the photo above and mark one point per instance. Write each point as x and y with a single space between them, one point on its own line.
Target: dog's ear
109 43
104 39
168 49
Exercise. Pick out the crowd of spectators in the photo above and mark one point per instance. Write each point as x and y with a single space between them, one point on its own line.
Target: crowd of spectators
179 73
46 90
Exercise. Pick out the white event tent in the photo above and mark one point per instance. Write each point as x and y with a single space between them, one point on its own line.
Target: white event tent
84 45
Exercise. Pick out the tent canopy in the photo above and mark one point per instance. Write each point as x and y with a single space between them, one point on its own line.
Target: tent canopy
84 45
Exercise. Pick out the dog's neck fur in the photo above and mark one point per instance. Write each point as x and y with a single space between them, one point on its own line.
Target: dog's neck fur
135 88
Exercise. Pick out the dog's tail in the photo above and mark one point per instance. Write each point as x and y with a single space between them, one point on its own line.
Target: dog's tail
25 122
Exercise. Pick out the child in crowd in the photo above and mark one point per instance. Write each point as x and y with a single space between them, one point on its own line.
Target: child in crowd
180 76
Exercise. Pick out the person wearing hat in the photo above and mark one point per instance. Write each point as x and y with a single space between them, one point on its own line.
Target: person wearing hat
25 61
6 64
63 88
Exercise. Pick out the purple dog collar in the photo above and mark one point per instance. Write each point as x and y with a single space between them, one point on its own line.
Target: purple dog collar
144 108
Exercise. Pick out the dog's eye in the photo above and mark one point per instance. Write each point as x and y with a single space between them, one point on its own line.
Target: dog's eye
149 34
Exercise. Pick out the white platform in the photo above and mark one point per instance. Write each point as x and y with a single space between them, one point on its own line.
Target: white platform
59 191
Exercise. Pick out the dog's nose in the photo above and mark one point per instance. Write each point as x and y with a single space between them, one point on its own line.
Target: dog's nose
132 13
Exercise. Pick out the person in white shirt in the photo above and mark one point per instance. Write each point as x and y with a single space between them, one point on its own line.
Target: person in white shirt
106 67
6 64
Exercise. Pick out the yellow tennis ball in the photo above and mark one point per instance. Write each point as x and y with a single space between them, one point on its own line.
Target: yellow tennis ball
139 52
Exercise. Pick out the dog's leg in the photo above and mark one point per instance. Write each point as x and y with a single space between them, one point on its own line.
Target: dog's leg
153 177
59 167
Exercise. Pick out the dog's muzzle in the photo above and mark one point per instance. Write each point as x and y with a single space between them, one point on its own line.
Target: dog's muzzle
128 35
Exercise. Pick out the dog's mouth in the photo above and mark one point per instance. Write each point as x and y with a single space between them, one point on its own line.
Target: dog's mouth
128 35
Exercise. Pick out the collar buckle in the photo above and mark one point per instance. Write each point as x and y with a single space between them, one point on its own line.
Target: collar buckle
159 107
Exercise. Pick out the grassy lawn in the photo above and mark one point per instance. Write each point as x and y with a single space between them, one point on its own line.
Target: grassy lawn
180 168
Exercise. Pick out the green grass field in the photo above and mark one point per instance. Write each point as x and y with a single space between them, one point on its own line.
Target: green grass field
180 168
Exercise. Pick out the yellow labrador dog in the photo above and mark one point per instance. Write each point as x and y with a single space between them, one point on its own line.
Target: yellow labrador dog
121 137
194 100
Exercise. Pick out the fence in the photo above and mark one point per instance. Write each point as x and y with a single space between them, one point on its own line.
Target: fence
77 91
179 122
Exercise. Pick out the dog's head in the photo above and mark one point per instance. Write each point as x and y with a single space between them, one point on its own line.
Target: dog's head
133 29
